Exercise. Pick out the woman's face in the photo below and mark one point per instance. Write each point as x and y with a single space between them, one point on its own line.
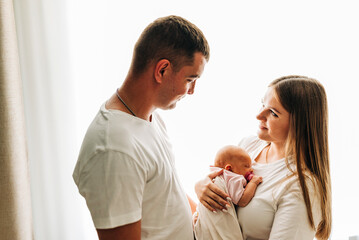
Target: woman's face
273 118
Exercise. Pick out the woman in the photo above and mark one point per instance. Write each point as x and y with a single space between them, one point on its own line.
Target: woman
290 152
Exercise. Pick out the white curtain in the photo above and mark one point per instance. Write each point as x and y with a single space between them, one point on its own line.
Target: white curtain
51 119
74 53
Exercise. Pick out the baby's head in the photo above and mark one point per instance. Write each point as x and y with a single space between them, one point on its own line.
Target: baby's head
235 159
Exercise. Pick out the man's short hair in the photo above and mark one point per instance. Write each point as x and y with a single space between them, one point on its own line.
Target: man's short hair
172 38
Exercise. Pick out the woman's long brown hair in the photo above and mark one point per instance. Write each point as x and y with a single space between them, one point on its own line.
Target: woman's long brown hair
305 100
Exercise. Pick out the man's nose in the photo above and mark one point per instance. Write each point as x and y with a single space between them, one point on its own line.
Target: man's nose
191 89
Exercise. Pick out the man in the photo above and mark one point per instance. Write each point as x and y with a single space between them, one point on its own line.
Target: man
125 169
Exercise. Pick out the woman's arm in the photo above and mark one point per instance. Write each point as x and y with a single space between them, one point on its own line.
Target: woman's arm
291 217
210 195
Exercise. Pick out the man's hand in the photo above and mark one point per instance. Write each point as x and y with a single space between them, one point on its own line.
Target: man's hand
194 218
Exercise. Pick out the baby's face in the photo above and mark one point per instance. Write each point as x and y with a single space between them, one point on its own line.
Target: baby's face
234 159
243 165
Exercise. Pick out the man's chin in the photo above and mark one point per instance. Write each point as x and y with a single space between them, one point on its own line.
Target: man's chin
172 106
169 107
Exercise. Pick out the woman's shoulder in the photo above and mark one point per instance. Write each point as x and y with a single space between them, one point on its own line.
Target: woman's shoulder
252 143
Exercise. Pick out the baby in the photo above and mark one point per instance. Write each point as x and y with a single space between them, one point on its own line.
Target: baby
239 183
239 171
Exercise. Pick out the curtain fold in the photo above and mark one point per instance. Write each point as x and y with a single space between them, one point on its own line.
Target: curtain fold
15 200
50 103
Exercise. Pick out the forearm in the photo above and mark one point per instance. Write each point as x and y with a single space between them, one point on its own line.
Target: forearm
129 231
192 204
247 194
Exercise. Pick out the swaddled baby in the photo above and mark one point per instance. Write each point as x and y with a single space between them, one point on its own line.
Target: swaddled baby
239 182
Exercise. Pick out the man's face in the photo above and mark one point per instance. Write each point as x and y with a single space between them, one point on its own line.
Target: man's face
179 84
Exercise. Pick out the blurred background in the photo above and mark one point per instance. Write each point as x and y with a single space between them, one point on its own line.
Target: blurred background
75 53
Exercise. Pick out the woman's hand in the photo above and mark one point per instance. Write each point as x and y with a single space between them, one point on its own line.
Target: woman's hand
210 195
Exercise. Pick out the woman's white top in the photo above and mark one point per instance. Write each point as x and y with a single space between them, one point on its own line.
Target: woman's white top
277 211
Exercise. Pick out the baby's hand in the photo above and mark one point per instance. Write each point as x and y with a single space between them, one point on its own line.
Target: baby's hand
256 179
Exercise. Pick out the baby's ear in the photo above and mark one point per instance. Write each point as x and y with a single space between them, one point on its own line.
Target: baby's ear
228 167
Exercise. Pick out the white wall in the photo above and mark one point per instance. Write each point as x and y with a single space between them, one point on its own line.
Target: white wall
252 43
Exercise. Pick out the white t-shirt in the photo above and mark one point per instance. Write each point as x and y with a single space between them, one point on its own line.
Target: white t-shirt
277 210
126 173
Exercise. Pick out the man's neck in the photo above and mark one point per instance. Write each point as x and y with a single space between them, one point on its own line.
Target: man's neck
138 94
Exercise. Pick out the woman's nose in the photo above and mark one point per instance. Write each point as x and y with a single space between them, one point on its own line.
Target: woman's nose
260 115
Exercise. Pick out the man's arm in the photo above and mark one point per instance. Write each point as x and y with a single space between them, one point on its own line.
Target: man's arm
192 204
130 231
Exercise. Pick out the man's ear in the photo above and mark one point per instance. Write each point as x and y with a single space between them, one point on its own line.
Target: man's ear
228 167
161 69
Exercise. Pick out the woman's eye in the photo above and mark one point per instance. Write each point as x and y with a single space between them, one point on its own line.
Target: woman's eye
273 113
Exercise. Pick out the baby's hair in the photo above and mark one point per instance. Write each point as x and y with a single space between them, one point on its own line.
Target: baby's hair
229 154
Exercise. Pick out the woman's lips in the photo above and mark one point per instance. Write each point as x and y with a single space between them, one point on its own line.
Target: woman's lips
262 127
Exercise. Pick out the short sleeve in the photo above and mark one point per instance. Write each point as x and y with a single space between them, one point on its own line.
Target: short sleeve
252 145
247 141
113 187
291 217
